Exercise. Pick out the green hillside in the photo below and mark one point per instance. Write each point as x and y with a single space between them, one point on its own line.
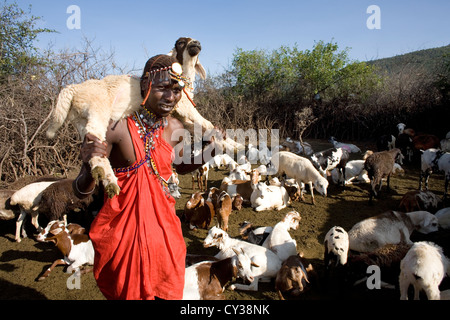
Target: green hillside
430 59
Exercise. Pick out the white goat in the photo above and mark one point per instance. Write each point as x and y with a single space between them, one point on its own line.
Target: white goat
390 227
28 199
347 146
424 266
279 240
266 197
301 169
354 173
268 262
336 247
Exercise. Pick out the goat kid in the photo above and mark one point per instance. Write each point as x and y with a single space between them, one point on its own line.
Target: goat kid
73 243
207 280
268 262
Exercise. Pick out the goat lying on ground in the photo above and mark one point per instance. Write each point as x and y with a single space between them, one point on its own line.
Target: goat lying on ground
279 240
294 276
391 227
206 280
268 262
417 200
73 243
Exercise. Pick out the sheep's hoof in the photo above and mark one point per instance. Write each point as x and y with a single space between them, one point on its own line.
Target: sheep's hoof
98 174
112 190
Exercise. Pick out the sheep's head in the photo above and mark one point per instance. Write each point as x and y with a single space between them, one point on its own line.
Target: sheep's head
186 51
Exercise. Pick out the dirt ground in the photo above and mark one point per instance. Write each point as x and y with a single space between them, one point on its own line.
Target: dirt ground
21 263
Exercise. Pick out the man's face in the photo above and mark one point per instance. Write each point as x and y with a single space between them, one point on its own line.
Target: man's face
164 96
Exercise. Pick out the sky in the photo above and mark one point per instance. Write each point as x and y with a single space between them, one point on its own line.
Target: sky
136 29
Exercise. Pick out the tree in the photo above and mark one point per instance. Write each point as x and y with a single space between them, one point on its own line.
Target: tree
18 33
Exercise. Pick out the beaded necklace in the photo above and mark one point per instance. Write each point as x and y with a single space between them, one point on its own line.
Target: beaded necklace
147 124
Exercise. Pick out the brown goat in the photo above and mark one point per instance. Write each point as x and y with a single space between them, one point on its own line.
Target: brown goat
380 165
58 200
294 276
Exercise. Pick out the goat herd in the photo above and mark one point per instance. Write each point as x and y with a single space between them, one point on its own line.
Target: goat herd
265 185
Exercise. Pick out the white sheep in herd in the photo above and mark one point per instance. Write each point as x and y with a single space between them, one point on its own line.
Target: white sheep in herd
279 239
73 243
347 146
424 267
300 169
92 104
267 261
391 227
206 280
28 199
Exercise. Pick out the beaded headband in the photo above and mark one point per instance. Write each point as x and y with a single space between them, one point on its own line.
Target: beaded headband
174 71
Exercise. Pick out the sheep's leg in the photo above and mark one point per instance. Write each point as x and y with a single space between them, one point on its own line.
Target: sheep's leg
102 171
312 191
417 289
34 220
433 292
19 223
47 272
387 183
404 285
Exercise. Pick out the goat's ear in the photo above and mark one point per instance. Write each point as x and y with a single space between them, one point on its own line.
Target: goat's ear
200 70
56 231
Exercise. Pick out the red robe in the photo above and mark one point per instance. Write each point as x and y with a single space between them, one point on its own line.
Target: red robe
139 246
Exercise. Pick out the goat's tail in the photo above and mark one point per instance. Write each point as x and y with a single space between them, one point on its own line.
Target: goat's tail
61 111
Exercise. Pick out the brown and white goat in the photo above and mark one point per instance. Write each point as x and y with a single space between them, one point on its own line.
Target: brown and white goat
223 206
73 243
207 280
198 212
243 187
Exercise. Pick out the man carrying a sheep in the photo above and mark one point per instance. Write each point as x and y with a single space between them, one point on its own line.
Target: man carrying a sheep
138 241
